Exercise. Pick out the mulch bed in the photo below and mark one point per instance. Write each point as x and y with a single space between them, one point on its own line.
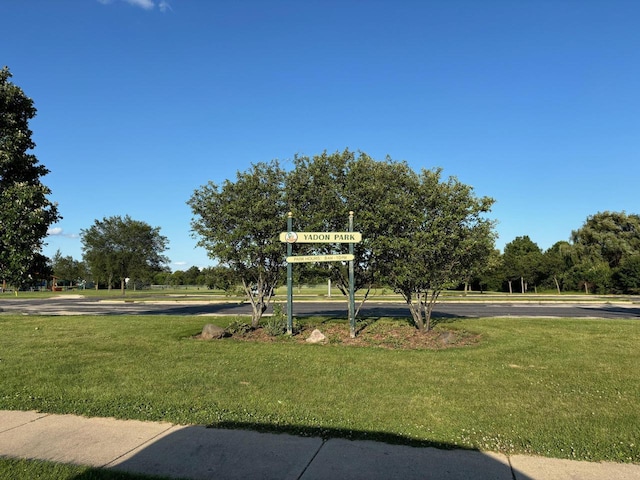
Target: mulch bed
388 335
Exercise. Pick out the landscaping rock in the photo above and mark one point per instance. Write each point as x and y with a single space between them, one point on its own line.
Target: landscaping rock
316 337
447 338
211 331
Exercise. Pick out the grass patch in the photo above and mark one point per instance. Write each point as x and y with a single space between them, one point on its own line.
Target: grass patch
556 387
20 469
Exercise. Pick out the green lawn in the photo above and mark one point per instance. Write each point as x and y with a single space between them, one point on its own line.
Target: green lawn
20 469
562 388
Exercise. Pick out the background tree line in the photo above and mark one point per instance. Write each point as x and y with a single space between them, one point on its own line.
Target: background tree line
603 257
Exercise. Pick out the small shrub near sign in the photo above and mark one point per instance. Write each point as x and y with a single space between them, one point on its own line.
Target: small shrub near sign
276 325
238 327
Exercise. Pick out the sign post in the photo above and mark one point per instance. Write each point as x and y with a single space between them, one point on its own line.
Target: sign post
289 279
352 301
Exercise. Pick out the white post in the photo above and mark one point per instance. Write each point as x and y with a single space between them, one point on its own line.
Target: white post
329 288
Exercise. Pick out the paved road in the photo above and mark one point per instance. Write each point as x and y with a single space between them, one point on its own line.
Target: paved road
89 306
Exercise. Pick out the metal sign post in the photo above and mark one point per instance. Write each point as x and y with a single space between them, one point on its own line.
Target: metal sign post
352 301
289 279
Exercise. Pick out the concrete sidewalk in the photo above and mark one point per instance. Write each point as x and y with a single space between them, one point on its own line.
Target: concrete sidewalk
197 452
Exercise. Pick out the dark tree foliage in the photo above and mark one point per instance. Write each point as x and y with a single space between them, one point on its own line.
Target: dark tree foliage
557 261
26 212
608 236
626 278
602 244
522 261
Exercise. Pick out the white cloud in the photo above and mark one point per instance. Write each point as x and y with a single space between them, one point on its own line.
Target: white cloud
180 264
146 4
163 5
59 232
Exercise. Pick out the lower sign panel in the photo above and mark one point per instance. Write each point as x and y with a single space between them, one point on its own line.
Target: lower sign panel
320 258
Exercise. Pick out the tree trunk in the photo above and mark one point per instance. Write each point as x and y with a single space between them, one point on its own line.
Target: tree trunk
122 284
555 279
522 290
259 301
258 308
416 314
510 287
421 308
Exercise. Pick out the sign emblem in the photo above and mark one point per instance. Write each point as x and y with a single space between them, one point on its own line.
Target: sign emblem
291 237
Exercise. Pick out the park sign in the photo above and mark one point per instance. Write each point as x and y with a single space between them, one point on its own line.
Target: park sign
321 237
290 237
320 258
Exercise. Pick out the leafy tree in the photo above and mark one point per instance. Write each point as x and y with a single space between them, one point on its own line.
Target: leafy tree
162 277
490 276
592 275
483 257
322 190
604 241
191 276
238 224
445 237
316 193
557 262
177 278
67 268
220 277
608 236
522 260
39 272
117 248
26 213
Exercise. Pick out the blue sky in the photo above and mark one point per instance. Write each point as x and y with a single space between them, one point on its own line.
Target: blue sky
535 103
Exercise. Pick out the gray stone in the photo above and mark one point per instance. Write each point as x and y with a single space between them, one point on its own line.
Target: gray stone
316 337
211 331
447 338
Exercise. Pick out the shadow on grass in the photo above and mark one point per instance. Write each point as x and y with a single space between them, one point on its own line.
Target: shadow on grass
103 474
327 433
